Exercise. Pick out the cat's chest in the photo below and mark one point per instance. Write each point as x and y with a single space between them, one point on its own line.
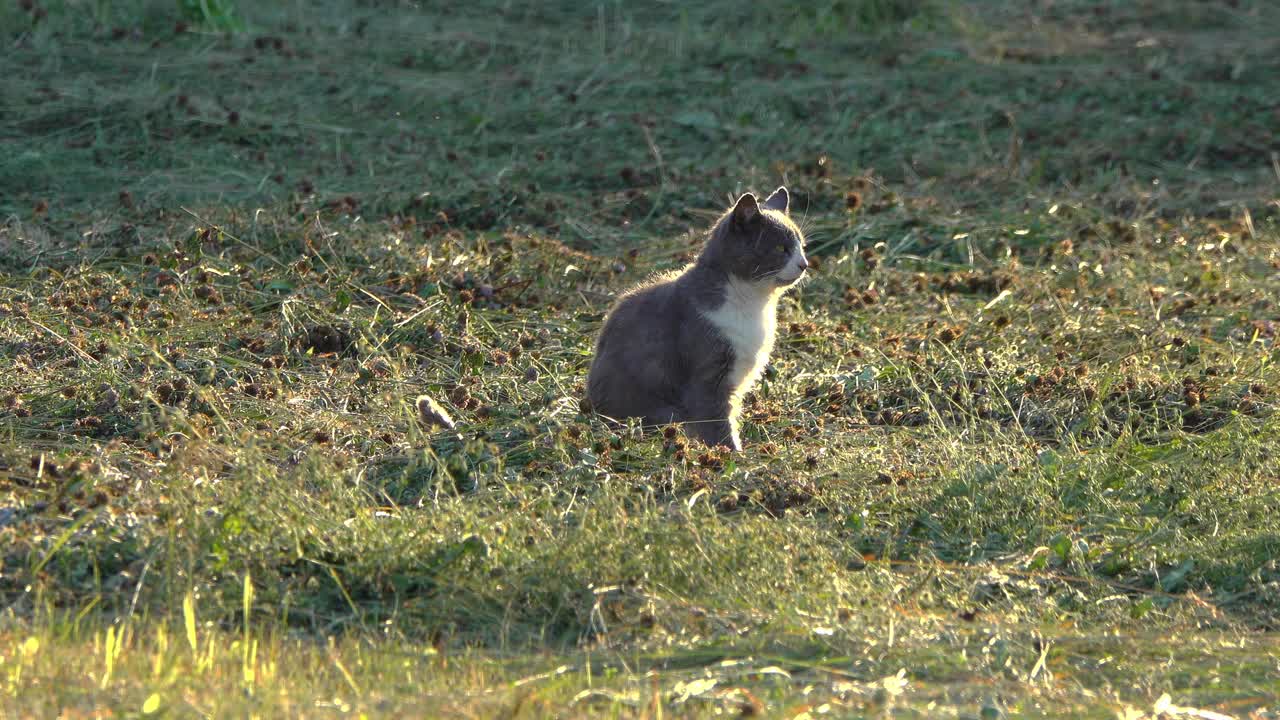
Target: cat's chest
747 323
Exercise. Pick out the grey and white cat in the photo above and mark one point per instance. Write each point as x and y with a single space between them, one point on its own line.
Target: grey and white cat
687 346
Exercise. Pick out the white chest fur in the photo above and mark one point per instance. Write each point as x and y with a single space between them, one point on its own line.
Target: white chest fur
748 320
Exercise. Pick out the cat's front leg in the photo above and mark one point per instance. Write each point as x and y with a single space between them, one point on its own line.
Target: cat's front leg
707 419
713 433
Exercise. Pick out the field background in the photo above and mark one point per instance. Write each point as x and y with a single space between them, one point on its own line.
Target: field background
1016 453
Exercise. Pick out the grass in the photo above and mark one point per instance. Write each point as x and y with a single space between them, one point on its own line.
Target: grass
1015 455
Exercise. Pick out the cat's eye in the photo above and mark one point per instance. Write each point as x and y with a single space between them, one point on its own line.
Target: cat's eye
781 248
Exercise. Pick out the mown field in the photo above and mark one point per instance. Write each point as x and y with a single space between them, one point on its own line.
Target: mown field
1016 453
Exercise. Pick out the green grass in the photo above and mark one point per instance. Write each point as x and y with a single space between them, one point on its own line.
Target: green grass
1015 455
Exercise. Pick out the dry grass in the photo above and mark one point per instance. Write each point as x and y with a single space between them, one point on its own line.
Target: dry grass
1015 454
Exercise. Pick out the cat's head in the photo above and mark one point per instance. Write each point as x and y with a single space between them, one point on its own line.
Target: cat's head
757 241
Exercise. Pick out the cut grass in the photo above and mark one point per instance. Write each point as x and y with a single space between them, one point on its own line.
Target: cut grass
1015 453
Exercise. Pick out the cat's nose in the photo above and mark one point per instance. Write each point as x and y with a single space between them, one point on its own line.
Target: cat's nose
804 263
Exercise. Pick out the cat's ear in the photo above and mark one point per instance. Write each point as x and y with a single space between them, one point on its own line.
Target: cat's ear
780 200
746 211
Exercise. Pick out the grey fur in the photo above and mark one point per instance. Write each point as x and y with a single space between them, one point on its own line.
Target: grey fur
661 357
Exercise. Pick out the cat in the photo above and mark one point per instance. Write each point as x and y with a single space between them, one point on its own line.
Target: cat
687 346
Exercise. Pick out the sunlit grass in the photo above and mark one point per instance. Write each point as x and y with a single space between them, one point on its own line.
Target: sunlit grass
1015 454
